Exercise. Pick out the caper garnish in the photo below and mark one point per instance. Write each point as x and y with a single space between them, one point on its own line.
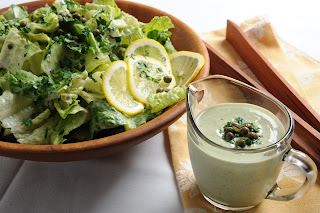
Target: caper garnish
167 79
253 135
56 38
160 89
79 67
60 18
228 129
96 32
241 143
63 14
69 15
23 23
59 31
68 35
236 126
248 125
75 38
244 131
83 19
229 136
76 16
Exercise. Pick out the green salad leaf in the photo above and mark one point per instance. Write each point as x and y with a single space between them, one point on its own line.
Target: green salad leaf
159 101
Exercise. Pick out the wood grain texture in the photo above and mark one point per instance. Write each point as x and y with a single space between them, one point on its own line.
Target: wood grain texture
271 79
305 137
183 38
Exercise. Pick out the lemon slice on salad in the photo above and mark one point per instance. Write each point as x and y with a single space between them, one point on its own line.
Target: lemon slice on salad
149 48
116 90
146 75
185 66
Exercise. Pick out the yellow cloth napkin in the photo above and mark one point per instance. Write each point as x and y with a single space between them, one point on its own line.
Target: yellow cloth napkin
300 70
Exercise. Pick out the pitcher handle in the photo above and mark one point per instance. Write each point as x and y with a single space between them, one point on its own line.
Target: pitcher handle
305 163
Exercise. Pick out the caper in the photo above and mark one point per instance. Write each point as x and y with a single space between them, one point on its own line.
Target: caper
167 79
244 131
56 38
79 67
75 38
241 143
76 16
63 14
253 135
236 126
96 32
229 136
69 15
228 129
23 23
60 18
160 89
10 46
59 31
83 19
248 125
68 35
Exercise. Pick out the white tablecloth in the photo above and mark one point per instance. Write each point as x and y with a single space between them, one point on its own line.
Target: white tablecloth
141 179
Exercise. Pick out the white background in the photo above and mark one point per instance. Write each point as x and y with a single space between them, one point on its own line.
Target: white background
141 179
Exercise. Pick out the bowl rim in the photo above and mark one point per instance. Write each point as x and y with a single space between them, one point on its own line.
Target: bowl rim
26 151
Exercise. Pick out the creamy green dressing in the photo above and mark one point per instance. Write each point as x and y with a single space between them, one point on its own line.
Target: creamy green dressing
211 121
227 176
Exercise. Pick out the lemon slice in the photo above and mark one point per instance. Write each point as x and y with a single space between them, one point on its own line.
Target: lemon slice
116 90
149 48
146 75
185 66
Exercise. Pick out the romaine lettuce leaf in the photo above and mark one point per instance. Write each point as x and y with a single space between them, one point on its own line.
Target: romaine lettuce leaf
55 53
72 109
159 101
29 85
105 2
104 116
94 84
141 118
11 103
93 60
65 126
91 96
15 12
21 124
71 92
40 135
49 25
162 23
39 37
14 122
13 52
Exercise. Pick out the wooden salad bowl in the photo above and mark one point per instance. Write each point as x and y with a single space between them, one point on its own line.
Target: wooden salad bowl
183 38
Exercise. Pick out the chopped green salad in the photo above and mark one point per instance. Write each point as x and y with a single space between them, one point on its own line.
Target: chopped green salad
51 66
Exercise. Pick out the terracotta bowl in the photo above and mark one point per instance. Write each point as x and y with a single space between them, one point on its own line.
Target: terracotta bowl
183 38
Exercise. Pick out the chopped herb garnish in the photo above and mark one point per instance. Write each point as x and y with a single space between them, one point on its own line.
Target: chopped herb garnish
27 122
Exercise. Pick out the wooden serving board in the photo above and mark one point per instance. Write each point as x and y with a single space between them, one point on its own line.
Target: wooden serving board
305 137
